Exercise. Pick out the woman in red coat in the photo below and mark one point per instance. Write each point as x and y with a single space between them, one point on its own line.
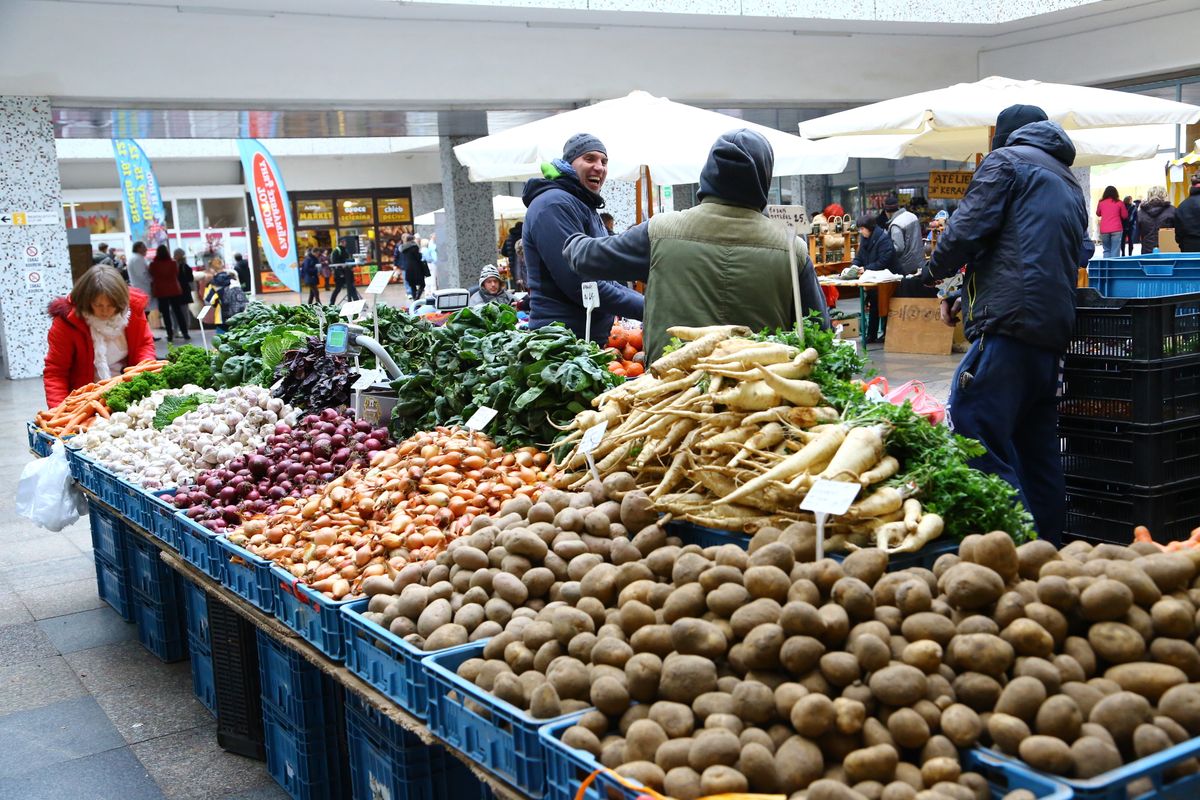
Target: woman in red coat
165 286
96 333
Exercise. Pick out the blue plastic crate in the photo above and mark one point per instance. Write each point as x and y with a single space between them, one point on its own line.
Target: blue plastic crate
81 468
198 546
108 535
248 575
161 625
387 662
204 684
290 684
310 613
147 572
506 744
112 584
388 761
304 760
196 611
711 537
163 524
1114 784
108 487
1152 275
133 502
40 442
1003 778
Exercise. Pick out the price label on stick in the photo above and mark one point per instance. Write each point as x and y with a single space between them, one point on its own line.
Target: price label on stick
480 419
352 309
825 498
380 282
366 378
592 437
205 313
591 294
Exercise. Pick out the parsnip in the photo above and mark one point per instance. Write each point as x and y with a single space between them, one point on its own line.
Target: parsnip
882 501
800 393
886 468
749 396
820 448
861 448
769 435
689 354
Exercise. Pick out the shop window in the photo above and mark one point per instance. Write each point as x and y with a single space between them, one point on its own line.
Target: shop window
169 209
189 214
100 217
224 212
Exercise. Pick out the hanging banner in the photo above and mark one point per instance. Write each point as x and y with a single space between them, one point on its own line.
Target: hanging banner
139 193
271 207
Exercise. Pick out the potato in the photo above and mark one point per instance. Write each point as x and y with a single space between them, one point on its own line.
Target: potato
908 728
1022 698
1116 642
1120 714
1145 591
1048 754
877 763
714 746
928 625
1169 571
697 637
654 639
612 751
682 783
837 624
832 789
643 739
1149 680
976 623
1032 556
755 702
722 780
569 678
646 773
798 762
767 582
1007 732
813 715
997 551
1092 756
1149 739
686 677
981 652
449 635
1105 599
849 715
961 725
637 511
642 674
840 669
942 769
1028 638
1173 619
898 685
1049 618
971 586
686 601
1178 653
753 614
1182 704
899 790
1059 717
977 690
855 596
508 688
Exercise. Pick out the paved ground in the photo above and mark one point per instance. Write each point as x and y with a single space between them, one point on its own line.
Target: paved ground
85 712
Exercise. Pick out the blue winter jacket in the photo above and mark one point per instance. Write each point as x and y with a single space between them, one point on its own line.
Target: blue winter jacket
876 251
556 209
1021 230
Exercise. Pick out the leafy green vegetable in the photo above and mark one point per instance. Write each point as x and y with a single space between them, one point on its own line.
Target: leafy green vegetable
178 405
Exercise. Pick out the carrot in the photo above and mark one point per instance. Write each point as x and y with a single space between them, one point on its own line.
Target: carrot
1142 534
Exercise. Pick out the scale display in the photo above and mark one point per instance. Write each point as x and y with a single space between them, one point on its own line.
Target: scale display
337 339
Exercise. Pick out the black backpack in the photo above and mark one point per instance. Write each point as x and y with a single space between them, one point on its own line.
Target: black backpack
233 300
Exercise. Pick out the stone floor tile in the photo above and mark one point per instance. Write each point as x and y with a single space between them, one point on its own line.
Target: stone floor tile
122 663
175 761
67 598
24 642
33 684
46 736
146 711
12 610
46 574
46 548
84 630
112 775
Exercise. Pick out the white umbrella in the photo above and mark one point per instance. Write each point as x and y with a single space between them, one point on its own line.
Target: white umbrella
955 122
503 206
672 139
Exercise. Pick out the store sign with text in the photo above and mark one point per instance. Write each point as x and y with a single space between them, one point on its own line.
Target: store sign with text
948 185
314 212
355 211
392 210
271 209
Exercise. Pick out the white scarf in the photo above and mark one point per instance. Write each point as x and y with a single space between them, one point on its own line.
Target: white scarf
107 333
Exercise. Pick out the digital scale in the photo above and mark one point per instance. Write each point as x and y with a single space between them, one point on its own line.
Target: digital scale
443 301
374 400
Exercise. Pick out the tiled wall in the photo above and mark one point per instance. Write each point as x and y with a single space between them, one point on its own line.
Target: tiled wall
28 182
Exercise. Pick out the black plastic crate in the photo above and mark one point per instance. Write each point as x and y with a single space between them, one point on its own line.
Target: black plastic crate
1109 511
235 673
1141 329
1136 455
1124 391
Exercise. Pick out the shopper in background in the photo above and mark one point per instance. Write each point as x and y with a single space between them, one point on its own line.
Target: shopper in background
1187 219
1021 230
905 230
1127 227
187 280
415 268
610 223
325 270
719 263
875 252
515 254
1155 213
490 289
102 256
310 276
1113 215
139 277
563 203
242 267
164 285
95 333
226 297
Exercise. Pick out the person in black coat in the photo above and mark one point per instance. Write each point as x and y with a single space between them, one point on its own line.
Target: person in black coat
1021 230
1156 213
242 267
1187 219
875 252
415 268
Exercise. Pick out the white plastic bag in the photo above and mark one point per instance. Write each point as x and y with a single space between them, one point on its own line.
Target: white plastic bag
47 493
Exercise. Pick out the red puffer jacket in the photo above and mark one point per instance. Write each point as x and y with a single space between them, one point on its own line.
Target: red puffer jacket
70 361
164 278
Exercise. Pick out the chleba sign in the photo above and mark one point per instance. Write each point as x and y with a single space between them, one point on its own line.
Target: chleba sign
948 185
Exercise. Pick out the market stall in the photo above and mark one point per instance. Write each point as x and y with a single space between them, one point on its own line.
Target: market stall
742 572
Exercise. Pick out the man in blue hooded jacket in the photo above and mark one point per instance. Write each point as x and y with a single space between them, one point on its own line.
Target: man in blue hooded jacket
1021 230
563 203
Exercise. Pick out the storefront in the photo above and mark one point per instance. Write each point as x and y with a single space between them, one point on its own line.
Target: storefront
368 223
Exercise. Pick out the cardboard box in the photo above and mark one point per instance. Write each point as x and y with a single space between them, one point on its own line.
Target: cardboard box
847 327
915 326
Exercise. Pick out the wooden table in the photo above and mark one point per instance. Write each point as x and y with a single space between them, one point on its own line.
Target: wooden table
865 284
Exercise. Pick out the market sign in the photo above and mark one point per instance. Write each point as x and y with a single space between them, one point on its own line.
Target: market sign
393 210
355 211
139 192
948 185
314 212
271 208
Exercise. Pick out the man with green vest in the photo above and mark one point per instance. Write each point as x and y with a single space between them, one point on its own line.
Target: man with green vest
720 263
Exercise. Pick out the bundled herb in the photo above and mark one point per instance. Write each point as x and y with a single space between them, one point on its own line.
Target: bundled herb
313 379
187 365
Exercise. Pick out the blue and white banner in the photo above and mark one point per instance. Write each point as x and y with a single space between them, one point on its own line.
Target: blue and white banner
140 195
272 210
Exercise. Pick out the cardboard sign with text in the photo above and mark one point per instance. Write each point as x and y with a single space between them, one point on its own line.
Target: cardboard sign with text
948 185
915 326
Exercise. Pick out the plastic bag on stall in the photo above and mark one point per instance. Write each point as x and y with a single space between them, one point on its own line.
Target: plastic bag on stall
46 493
923 403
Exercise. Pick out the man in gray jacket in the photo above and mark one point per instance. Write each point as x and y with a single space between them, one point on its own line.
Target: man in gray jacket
905 230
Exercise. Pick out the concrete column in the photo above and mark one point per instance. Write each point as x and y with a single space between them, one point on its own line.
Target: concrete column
620 200
684 195
814 193
427 198
467 239
34 264
1084 176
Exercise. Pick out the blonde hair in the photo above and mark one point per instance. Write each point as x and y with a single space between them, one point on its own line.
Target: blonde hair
100 281
1156 193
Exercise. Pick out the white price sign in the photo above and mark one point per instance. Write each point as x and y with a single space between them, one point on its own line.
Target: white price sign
592 437
830 497
352 309
206 312
380 282
367 378
793 214
480 419
591 294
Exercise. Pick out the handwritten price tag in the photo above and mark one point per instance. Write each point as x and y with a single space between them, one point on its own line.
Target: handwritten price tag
830 497
352 309
591 294
380 282
480 419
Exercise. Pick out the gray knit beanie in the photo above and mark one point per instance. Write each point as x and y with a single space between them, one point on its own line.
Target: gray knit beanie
581 143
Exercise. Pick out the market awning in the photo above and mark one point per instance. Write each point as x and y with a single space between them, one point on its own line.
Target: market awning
672 139
504 206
